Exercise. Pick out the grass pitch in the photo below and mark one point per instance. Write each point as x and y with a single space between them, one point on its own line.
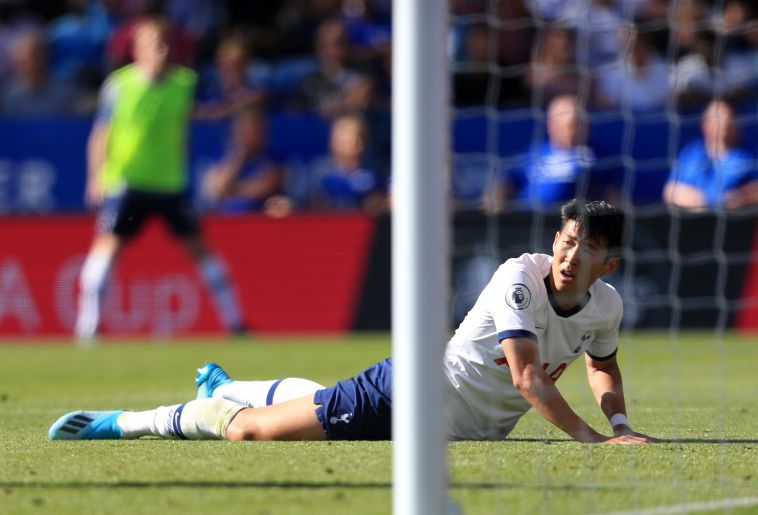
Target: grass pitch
696 391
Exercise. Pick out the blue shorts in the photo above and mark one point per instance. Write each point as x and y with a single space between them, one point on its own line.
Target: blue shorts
359 408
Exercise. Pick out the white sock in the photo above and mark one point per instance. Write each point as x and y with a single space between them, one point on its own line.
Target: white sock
256 394
202 419
216 278
91 287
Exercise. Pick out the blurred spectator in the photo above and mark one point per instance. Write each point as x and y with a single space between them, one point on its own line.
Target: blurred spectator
547 10
277 29
638 79
285 28
516 35
515 41
596 24
369 28
713 171
334 88
31 91
491 57
473 82
229 87
557 170
250 173
77 42
368 24
553 71
198 18
343 180
14 21
751 37
645 10
202 21
689 18
733 21
711 72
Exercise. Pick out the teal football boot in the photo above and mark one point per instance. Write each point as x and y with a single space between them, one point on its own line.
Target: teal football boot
87 425
210 377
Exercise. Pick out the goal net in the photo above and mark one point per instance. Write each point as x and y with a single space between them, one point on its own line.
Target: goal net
639 77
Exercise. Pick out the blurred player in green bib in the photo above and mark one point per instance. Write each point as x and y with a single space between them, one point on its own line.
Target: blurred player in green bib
137 168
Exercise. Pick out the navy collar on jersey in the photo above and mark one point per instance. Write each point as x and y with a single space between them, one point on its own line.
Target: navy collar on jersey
564 313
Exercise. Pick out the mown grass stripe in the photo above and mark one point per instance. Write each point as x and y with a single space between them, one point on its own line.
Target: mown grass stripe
694 507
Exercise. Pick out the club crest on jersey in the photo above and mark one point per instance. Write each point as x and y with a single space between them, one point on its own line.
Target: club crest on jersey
586 336
518 296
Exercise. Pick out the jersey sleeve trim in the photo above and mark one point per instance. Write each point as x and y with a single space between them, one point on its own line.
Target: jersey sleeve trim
516 333
604 358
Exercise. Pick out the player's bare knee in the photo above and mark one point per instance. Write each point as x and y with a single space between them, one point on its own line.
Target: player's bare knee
245 427
236 433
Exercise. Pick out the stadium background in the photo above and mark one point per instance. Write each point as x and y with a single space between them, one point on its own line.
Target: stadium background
329 271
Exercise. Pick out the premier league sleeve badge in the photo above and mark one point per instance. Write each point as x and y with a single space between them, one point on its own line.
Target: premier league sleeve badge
518 296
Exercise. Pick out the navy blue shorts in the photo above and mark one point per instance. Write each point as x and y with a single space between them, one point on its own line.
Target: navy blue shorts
125 214
359 408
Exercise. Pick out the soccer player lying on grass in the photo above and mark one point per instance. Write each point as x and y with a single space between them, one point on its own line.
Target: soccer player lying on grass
537 315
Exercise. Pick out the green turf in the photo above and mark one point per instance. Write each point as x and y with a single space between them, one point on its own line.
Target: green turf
697 391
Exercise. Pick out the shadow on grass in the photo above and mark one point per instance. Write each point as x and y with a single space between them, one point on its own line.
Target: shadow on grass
710 440
475 485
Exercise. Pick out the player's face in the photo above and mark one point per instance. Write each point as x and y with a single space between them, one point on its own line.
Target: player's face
578 261
151 47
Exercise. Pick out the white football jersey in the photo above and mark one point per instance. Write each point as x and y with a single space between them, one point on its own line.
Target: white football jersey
482 403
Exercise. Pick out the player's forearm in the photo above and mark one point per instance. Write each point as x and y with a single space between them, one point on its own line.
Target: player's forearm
545 398
608 390
97 147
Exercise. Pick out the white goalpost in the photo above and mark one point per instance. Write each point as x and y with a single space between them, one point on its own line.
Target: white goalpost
420 250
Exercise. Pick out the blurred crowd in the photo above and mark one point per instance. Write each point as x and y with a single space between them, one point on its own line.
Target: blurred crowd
632 54
333 58
328 55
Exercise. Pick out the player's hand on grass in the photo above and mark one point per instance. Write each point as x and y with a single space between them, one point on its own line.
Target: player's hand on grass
632 439
624 430
619 439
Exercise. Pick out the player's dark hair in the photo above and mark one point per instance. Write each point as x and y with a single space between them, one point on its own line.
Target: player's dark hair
601 221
